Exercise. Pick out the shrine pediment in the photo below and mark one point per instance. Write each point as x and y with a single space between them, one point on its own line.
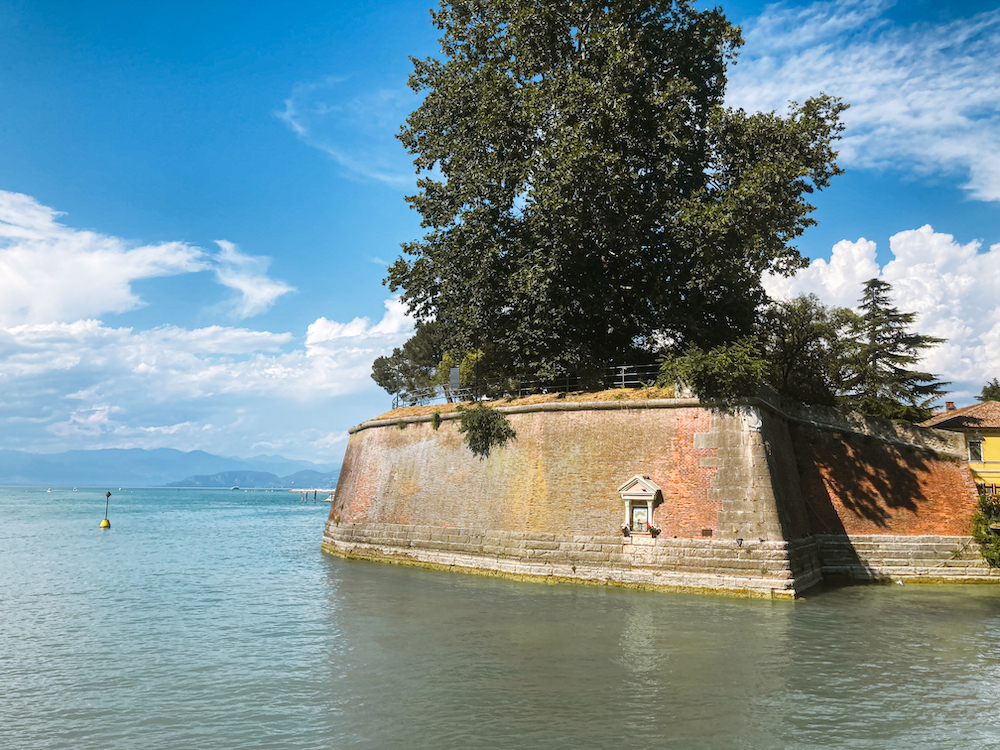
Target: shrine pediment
639 487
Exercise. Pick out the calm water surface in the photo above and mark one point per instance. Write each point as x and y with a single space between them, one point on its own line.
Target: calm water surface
210 619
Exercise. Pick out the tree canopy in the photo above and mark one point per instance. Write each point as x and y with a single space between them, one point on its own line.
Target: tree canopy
414 367
585 194
879 381
821 355
990 392
806 346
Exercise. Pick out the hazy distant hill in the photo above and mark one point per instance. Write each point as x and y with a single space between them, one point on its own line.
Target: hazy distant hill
136 467
301 479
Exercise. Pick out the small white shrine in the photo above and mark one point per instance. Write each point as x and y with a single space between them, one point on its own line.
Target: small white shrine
640 495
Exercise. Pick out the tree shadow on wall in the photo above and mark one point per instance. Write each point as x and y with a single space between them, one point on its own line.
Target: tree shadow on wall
869 478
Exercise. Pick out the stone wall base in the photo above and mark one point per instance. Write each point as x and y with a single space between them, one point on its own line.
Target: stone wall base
911 559
777 570
753 568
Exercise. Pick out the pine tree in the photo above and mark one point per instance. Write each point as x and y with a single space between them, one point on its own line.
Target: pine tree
879 381
990 392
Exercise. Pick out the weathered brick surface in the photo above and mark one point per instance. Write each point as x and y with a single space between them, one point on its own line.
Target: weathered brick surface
559 476
855 484
761 501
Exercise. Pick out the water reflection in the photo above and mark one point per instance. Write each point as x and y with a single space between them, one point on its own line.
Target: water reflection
445 660
206 620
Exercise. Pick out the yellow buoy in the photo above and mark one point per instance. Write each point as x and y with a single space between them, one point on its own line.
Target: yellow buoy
106 524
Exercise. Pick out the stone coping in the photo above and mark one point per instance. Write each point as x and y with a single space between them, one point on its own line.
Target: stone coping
654 403
924 438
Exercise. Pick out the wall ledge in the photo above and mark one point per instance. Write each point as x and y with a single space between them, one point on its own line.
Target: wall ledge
831 419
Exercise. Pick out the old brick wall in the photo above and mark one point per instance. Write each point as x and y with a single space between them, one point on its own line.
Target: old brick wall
858 484
559 476
760 498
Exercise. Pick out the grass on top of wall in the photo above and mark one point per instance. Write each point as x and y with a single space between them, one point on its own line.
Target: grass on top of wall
612 394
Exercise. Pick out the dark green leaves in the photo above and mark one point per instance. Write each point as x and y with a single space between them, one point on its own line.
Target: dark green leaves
986 516
990 392
414 367
589 193
820 355
485 429
724 373
878 379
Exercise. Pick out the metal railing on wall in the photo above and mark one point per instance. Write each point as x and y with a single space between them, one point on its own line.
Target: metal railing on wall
617 376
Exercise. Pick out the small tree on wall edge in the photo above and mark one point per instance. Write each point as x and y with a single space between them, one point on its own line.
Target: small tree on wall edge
484 428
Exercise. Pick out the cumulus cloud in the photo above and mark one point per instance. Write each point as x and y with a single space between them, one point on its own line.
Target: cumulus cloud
115 386
70 380
923 96
168 363
354 123
53 272
951 286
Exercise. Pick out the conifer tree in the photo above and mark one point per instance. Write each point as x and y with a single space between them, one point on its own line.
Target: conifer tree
879 380
990 392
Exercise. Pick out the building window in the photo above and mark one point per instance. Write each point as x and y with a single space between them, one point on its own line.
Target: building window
975 450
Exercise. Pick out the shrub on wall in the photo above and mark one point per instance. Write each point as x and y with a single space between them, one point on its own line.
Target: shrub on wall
988 540
725 373
484 429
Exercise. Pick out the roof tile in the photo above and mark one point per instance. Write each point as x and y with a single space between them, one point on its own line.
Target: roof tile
982 416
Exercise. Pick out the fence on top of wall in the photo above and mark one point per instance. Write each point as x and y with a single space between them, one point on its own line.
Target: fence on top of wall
616 376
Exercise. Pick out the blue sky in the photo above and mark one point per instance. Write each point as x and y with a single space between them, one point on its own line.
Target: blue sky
199 202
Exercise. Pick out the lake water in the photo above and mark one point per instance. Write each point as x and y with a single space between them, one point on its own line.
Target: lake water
210 619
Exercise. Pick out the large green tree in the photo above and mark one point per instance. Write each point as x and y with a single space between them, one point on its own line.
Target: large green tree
801 350
584 191
413 369
821 355
806 346
878 379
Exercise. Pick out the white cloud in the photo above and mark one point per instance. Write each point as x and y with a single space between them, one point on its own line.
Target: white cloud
951 286
50 272
248 276
355 123
68 380
202 388
394 322
923 97
170 363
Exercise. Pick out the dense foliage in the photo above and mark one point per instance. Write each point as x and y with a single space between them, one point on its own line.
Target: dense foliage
586 194
990 392
806 346
725 372
987 514
414 367
878 379
485 429
820 355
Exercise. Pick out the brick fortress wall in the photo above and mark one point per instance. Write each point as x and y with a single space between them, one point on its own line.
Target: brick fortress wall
751 500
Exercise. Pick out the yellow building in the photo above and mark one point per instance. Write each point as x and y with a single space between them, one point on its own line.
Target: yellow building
980 424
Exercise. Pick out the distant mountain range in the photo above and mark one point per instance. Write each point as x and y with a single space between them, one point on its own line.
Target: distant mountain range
135 467
306 479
